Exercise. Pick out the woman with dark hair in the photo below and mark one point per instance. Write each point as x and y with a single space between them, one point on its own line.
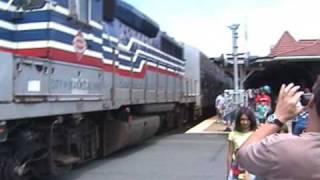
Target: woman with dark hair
245 125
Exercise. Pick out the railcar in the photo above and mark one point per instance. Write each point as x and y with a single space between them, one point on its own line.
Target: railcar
81 79
204 79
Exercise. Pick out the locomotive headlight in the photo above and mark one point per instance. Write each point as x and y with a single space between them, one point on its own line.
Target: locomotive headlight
3 131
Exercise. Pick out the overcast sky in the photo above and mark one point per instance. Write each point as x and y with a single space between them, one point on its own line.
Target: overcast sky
204 23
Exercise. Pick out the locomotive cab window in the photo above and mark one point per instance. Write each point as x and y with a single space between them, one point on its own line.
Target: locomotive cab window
29 5
80 10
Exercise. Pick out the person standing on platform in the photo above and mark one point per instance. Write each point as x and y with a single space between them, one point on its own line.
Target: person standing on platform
286 156
245 125
263 103
219 104
264 97
251 98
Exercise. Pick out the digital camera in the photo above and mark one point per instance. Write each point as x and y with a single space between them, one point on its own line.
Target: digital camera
305 99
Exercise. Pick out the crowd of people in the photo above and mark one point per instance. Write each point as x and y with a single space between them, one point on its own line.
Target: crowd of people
256 127
258 100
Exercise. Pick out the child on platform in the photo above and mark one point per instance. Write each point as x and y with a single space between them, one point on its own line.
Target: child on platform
245 125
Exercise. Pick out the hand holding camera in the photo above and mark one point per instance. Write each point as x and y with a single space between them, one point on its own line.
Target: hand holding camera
287 108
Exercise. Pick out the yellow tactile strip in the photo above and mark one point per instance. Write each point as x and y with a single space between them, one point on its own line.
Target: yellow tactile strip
210 125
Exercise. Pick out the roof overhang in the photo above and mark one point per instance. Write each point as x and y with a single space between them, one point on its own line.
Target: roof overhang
289 59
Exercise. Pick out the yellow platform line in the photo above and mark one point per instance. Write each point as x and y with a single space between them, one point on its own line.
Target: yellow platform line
200 128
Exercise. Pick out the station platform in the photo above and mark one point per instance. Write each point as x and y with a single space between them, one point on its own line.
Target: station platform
213 126
209 126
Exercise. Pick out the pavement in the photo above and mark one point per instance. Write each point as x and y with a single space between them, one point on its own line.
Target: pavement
209 126
164 157
198 154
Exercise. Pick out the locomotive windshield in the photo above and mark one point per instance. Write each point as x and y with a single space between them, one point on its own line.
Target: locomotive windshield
27 4
79 10
109 7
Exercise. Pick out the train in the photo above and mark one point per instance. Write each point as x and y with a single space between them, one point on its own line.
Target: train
82 79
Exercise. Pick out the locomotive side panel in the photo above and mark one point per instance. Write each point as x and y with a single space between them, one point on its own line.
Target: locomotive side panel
171 88
107 86
192 75
6 77
137 92
162 92
122 91
151 81
57 81
32 77
179 88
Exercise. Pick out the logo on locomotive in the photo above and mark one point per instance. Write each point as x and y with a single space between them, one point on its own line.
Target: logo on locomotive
79 44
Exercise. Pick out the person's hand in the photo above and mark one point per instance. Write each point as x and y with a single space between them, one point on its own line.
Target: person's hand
287 108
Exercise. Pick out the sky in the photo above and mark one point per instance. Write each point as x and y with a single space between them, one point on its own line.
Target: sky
204 23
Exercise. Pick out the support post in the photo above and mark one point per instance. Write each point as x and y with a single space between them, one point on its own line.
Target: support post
234 29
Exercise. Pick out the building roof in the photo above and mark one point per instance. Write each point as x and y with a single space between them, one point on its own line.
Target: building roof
288 46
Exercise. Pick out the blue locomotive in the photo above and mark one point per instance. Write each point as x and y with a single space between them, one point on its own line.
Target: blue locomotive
81 79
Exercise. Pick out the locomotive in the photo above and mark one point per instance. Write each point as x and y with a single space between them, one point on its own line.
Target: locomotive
81 79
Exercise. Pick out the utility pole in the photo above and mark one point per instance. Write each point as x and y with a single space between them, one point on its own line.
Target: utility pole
234 29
